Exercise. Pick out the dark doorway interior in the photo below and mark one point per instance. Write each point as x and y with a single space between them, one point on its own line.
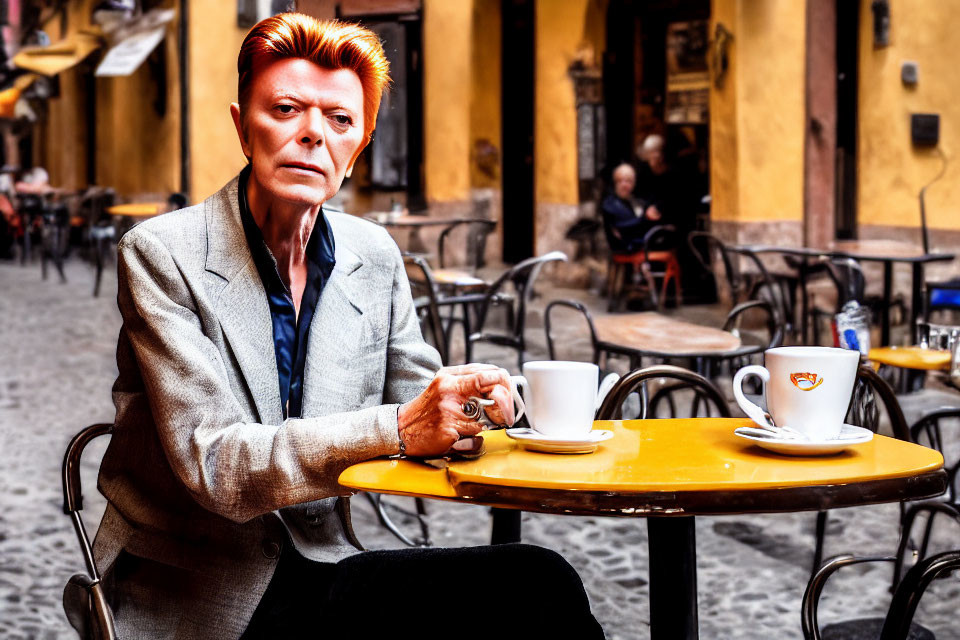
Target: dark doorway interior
395 157
517 76
848 21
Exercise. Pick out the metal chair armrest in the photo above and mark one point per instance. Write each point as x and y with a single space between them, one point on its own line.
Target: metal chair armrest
811 596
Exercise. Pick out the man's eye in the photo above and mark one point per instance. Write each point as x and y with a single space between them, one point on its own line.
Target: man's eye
285 108
342 119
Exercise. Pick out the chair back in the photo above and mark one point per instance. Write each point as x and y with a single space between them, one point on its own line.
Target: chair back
864 411
848 278
84 601
548 324
522 277
774 324
941 296
477 230
426 295
928 431
710 250
635 382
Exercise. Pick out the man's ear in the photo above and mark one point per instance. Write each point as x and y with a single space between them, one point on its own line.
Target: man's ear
356 155
238 123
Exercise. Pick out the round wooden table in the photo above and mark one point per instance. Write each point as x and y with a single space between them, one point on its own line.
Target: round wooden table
911 358
667 471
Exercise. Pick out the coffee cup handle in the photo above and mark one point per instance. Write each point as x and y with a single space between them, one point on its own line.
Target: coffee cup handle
606 385
520 382
753 412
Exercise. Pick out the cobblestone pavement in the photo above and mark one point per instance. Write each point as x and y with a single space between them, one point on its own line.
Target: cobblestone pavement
56 367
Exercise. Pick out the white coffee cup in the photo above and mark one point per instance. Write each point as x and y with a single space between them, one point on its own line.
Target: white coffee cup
807 388
561 397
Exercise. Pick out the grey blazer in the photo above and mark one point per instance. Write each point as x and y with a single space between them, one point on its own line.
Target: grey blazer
204 479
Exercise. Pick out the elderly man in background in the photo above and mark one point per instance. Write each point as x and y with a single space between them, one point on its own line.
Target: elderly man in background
626 217
268 344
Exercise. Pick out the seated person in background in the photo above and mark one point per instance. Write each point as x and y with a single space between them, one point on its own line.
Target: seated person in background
267 345
626 218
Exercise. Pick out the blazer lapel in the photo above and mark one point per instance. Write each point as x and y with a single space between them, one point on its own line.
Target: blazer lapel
242 305
334 331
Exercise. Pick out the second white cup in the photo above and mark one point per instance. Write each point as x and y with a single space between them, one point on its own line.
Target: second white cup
807 388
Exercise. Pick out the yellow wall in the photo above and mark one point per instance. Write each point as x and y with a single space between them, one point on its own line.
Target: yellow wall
559 32
215 155
765 94
891 172
137 150
724 167
447 25
485 90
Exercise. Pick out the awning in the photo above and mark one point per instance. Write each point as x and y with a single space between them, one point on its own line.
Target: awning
53 59
135 42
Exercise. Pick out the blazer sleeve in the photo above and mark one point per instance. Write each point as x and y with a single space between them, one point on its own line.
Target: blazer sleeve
234 468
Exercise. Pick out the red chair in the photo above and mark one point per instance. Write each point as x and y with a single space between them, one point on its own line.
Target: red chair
654 251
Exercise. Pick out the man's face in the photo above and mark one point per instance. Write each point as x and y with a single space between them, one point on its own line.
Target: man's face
302 129
623 182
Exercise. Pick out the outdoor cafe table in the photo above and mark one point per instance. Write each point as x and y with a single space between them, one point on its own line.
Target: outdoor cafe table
886 252
136 209
667 471
911 358
650 334
414 223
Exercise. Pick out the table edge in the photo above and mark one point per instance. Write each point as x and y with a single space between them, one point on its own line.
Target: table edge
700 502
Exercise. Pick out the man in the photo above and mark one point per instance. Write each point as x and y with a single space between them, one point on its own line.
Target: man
625 218
266 346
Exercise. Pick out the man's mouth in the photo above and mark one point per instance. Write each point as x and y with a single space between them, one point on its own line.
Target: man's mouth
304 166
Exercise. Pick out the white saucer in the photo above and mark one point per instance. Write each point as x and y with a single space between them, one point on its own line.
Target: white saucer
849 435
536 441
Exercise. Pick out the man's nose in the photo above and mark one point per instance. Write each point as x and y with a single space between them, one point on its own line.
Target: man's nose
312 133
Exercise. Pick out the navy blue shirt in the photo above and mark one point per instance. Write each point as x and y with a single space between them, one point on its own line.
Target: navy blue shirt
289 334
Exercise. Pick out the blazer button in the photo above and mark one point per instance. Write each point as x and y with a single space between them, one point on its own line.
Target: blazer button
271 549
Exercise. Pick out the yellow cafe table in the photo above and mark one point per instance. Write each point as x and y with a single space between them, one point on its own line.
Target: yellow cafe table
911 358
137 209
667 471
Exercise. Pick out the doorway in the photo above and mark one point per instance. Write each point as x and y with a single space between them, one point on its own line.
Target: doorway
517 116
848 41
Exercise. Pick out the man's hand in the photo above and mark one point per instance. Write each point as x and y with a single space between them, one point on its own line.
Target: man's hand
433 421
652 213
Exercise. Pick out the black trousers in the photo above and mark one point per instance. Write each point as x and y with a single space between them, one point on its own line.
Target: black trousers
504 591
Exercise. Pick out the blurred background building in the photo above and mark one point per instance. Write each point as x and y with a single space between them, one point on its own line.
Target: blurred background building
789 121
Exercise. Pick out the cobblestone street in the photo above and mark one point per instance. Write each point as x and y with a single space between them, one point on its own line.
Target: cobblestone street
57 365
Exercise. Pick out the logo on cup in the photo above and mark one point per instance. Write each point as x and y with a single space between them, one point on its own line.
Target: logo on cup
805 381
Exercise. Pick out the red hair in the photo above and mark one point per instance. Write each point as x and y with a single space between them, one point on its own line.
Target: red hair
331 44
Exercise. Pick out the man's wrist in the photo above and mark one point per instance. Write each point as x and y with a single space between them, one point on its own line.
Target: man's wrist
403 446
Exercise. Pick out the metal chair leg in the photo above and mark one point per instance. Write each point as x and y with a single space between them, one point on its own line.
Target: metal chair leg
379 507
818 548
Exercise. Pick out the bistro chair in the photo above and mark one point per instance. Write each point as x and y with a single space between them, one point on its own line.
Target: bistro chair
657 248
83 599
941 296
520 278
908 584
755 283
635 382
706 365
898 623
864 412
928 431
